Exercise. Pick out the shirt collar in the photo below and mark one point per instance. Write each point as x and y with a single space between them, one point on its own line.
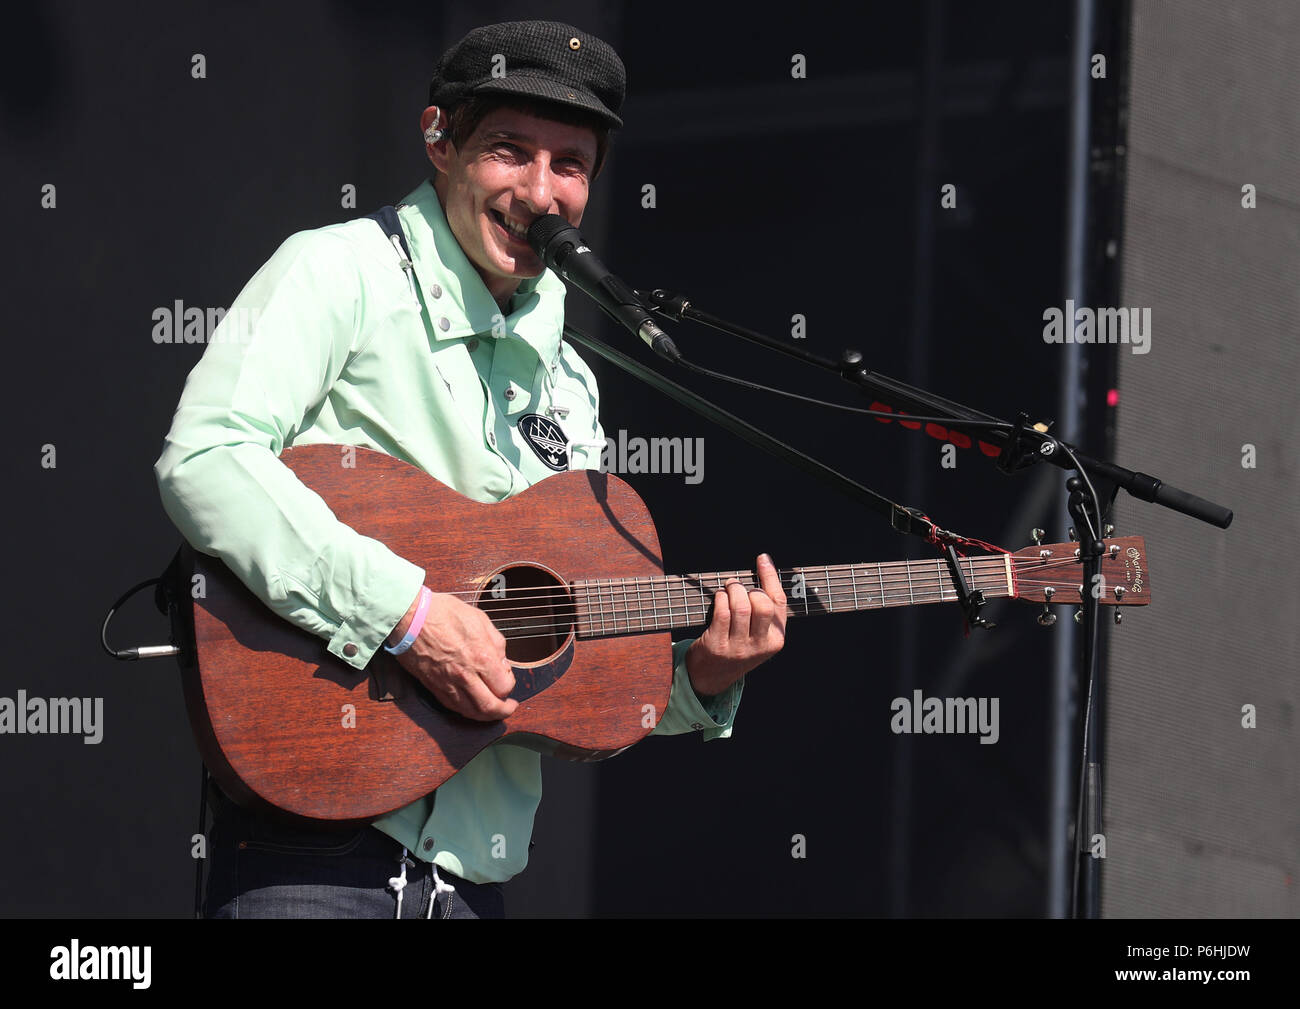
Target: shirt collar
536 310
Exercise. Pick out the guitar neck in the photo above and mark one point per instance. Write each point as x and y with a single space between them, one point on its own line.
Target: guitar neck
610 606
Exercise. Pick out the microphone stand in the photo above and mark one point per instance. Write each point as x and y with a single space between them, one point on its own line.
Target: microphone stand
1018 445
1021 444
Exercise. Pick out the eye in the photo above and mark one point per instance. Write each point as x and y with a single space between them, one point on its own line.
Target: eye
507 149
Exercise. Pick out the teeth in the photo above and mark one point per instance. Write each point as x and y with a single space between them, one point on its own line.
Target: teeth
511 226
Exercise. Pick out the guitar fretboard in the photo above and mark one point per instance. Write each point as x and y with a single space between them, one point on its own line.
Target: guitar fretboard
610 606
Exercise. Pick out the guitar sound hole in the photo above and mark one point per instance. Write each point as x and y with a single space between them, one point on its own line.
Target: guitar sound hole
532 608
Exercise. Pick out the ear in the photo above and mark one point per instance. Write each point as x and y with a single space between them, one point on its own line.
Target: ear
434 118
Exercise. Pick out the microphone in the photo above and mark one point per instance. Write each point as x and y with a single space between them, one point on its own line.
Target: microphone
559 245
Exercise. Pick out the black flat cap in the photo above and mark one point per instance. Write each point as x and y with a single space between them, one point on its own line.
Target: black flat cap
544 60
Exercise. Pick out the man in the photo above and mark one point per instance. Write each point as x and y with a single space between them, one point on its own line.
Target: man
436 361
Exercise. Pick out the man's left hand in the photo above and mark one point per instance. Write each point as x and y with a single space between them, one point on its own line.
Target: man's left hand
747 629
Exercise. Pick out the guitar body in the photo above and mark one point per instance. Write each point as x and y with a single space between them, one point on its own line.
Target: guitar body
269 705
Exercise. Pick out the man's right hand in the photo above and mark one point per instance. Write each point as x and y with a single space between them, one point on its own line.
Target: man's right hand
461 657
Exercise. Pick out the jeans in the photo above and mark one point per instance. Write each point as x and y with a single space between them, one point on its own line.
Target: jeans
258 868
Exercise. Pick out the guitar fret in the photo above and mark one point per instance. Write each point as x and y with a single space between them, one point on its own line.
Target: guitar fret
884 600
854 578
938 563
970 566
907 565
830 594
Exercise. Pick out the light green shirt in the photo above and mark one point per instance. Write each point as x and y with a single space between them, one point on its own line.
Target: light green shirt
329 343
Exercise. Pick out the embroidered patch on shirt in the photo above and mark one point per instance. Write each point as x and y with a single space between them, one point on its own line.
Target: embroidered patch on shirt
546 439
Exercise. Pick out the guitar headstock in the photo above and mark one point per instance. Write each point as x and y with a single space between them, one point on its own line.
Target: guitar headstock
1053 573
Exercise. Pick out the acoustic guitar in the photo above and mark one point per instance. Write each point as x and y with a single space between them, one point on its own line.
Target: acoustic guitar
570 573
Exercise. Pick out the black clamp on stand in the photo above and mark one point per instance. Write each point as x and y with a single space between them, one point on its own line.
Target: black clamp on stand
1021 451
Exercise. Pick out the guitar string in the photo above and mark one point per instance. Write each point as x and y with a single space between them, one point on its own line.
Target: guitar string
595 605
546 630
839 574
920 591
554 629
987 577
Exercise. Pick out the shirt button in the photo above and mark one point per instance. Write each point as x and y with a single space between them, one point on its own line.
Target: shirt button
428 844
472 345
492 439
436 291
509 394
444 324
350 649
697 725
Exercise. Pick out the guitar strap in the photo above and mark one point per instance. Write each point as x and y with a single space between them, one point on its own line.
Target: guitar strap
386 218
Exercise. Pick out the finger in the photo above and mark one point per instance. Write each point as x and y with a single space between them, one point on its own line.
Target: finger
481 705
769 579
738 601
498 674
721 622
762 611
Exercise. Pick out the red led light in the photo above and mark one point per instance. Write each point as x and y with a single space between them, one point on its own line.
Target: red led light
1112 397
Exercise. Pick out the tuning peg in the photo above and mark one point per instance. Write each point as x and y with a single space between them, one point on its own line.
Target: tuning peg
1047 617
1072 534
1037 536
1078 616
1119 616
1108 529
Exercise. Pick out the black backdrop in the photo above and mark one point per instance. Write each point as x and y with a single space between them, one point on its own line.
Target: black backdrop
775 196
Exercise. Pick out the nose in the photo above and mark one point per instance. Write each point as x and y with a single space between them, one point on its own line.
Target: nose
534 185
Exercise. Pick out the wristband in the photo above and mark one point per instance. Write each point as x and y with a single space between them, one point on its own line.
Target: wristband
417 622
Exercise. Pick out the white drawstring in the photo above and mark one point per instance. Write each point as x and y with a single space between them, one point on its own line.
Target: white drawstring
406 265
438 887
398 883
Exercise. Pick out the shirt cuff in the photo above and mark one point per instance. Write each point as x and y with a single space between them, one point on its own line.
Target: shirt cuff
360 635
687 713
